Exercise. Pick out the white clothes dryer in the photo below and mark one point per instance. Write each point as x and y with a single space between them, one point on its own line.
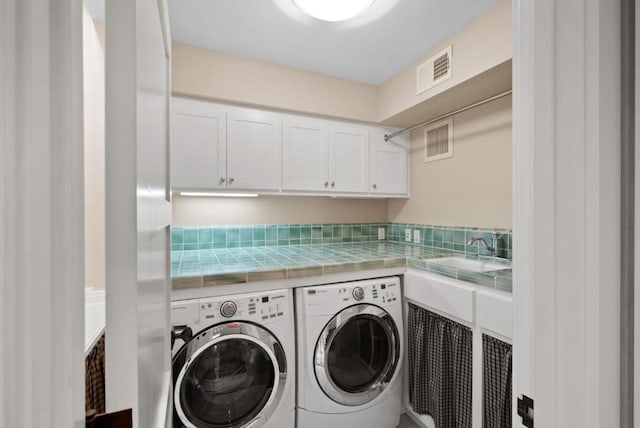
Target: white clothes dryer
350 353
238 368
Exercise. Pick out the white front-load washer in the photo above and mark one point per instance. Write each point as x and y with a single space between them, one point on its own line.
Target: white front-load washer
238 368
350 353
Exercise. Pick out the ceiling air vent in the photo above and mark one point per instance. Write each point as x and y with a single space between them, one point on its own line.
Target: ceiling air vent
434 71
438 140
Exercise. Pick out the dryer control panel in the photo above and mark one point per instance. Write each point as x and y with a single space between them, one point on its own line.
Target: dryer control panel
325 299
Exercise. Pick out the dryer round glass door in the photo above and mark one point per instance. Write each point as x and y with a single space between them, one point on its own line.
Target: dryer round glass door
357 354
231 376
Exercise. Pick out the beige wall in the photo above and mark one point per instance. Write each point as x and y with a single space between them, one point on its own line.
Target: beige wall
195 211
219 76
475 185
484 44
94 161
473 188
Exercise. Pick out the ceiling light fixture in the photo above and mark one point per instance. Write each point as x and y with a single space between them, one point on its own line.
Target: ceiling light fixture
220 194
333 10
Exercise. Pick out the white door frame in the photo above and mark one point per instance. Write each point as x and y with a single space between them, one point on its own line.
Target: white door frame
41 214
567 210
138 213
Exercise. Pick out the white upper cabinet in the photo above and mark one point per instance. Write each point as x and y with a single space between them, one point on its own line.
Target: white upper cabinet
222 147
388 164
254 149
348 158
305 154
324 156
198 145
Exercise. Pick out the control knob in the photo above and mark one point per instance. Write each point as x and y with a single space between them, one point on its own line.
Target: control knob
358 293
228 309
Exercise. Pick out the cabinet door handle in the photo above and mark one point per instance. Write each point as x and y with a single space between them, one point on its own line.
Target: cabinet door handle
221 181
230 180
326 184
333 184
375 186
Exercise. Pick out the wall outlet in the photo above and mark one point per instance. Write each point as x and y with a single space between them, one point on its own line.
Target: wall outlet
416 236
407 235
381 233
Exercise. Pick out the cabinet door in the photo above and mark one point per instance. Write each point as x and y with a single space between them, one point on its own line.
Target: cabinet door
348 158
198 146
254 147
305 156
388 164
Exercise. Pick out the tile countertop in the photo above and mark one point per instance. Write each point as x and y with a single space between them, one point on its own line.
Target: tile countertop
204 268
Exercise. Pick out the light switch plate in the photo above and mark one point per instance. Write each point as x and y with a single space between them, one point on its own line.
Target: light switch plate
407 235
416 236
381 233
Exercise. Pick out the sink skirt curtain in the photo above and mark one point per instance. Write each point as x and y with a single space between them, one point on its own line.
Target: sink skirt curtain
440 368
94 378
497 367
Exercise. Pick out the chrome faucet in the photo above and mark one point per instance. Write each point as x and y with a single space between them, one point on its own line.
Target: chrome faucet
495 243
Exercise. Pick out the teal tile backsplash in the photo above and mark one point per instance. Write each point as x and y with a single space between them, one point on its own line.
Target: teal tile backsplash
271 235
453 238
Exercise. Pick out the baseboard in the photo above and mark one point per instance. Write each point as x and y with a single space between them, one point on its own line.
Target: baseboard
419 420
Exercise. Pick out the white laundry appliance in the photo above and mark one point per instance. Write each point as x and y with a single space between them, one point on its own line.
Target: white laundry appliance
237 368
350 351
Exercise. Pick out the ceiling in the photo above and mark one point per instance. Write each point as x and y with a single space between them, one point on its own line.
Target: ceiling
371 48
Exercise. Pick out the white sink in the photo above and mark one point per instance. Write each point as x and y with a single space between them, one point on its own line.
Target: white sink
469 264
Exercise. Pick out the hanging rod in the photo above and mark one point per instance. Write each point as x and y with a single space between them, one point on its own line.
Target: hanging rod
387 137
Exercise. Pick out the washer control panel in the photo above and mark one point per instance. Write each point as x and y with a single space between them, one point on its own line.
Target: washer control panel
228 309
258 307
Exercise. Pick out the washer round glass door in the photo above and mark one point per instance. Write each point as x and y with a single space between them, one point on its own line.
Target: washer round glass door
357 354
232 374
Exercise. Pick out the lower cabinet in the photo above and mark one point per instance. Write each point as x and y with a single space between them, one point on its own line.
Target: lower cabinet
497 375
440 368
459 356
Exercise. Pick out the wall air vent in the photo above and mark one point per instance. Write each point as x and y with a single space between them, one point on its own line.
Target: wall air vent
438 140
434 71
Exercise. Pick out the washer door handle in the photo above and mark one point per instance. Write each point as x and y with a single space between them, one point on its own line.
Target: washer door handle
182 332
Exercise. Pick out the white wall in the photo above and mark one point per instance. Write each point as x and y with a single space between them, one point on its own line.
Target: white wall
94 173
